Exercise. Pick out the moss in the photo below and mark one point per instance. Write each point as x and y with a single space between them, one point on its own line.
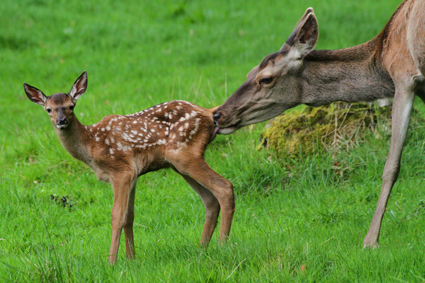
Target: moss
335 127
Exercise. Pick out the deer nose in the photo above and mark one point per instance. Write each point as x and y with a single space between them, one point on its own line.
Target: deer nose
61 121
216 118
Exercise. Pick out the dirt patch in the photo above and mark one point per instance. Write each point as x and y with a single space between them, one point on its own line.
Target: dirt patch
62 201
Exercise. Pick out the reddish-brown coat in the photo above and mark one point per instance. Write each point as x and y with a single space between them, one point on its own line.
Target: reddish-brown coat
122 147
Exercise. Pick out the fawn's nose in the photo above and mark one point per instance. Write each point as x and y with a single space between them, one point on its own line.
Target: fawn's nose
61 121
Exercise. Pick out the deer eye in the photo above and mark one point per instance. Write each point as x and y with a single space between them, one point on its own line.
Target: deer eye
266 81
71 107
49 110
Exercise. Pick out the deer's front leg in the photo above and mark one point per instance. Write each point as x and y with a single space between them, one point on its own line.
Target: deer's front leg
212 209
122 215
402 109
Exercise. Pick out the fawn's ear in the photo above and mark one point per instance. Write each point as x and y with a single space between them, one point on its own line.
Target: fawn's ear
79 87
35 95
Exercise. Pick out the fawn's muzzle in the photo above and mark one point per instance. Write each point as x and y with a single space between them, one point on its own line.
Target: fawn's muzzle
61 122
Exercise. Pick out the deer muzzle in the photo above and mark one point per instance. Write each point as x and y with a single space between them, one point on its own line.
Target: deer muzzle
218 117
62 123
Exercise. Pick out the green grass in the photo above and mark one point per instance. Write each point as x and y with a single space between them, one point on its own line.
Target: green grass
289 213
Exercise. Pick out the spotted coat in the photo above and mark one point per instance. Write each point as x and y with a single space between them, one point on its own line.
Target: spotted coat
171 126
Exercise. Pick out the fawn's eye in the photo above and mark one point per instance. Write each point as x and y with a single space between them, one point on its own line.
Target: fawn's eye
266 81
49 110
71 107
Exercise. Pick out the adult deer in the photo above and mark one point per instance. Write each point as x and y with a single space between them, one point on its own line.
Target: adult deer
390 65
121 148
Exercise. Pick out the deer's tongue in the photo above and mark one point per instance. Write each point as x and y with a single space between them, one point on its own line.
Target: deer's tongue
214 134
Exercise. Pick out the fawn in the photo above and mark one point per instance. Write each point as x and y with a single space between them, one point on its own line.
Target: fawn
119 149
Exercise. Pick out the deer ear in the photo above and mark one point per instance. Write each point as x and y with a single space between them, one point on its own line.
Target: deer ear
35 95
79 87
304 37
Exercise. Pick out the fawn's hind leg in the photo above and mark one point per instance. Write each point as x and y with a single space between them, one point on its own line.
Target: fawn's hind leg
198 170
212 209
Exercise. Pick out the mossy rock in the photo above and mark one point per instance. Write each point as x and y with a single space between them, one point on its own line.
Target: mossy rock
335 127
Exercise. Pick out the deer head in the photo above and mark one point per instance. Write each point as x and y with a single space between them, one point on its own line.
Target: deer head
59 106
271 87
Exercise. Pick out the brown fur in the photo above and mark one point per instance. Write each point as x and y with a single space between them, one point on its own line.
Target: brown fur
121 148
392 65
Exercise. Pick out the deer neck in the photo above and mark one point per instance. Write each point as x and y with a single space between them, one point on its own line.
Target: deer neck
351 75
75 140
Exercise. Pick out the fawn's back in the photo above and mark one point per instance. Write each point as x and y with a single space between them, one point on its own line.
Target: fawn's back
148 135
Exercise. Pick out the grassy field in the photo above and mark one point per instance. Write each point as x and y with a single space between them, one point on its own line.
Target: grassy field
295 220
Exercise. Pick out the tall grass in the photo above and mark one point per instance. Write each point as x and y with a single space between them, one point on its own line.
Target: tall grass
295 219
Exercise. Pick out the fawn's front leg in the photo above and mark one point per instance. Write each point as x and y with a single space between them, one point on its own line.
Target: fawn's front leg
122 215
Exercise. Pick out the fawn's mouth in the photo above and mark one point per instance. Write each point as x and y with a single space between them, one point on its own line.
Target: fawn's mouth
61 126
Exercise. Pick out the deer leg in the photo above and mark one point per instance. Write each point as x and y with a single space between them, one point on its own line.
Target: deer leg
122 214
222 189
212 209
402 109
128 223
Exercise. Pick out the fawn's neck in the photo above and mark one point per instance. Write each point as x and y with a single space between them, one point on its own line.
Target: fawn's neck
75 140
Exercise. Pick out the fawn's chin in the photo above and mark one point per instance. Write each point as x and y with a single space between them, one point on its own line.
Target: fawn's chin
61 127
